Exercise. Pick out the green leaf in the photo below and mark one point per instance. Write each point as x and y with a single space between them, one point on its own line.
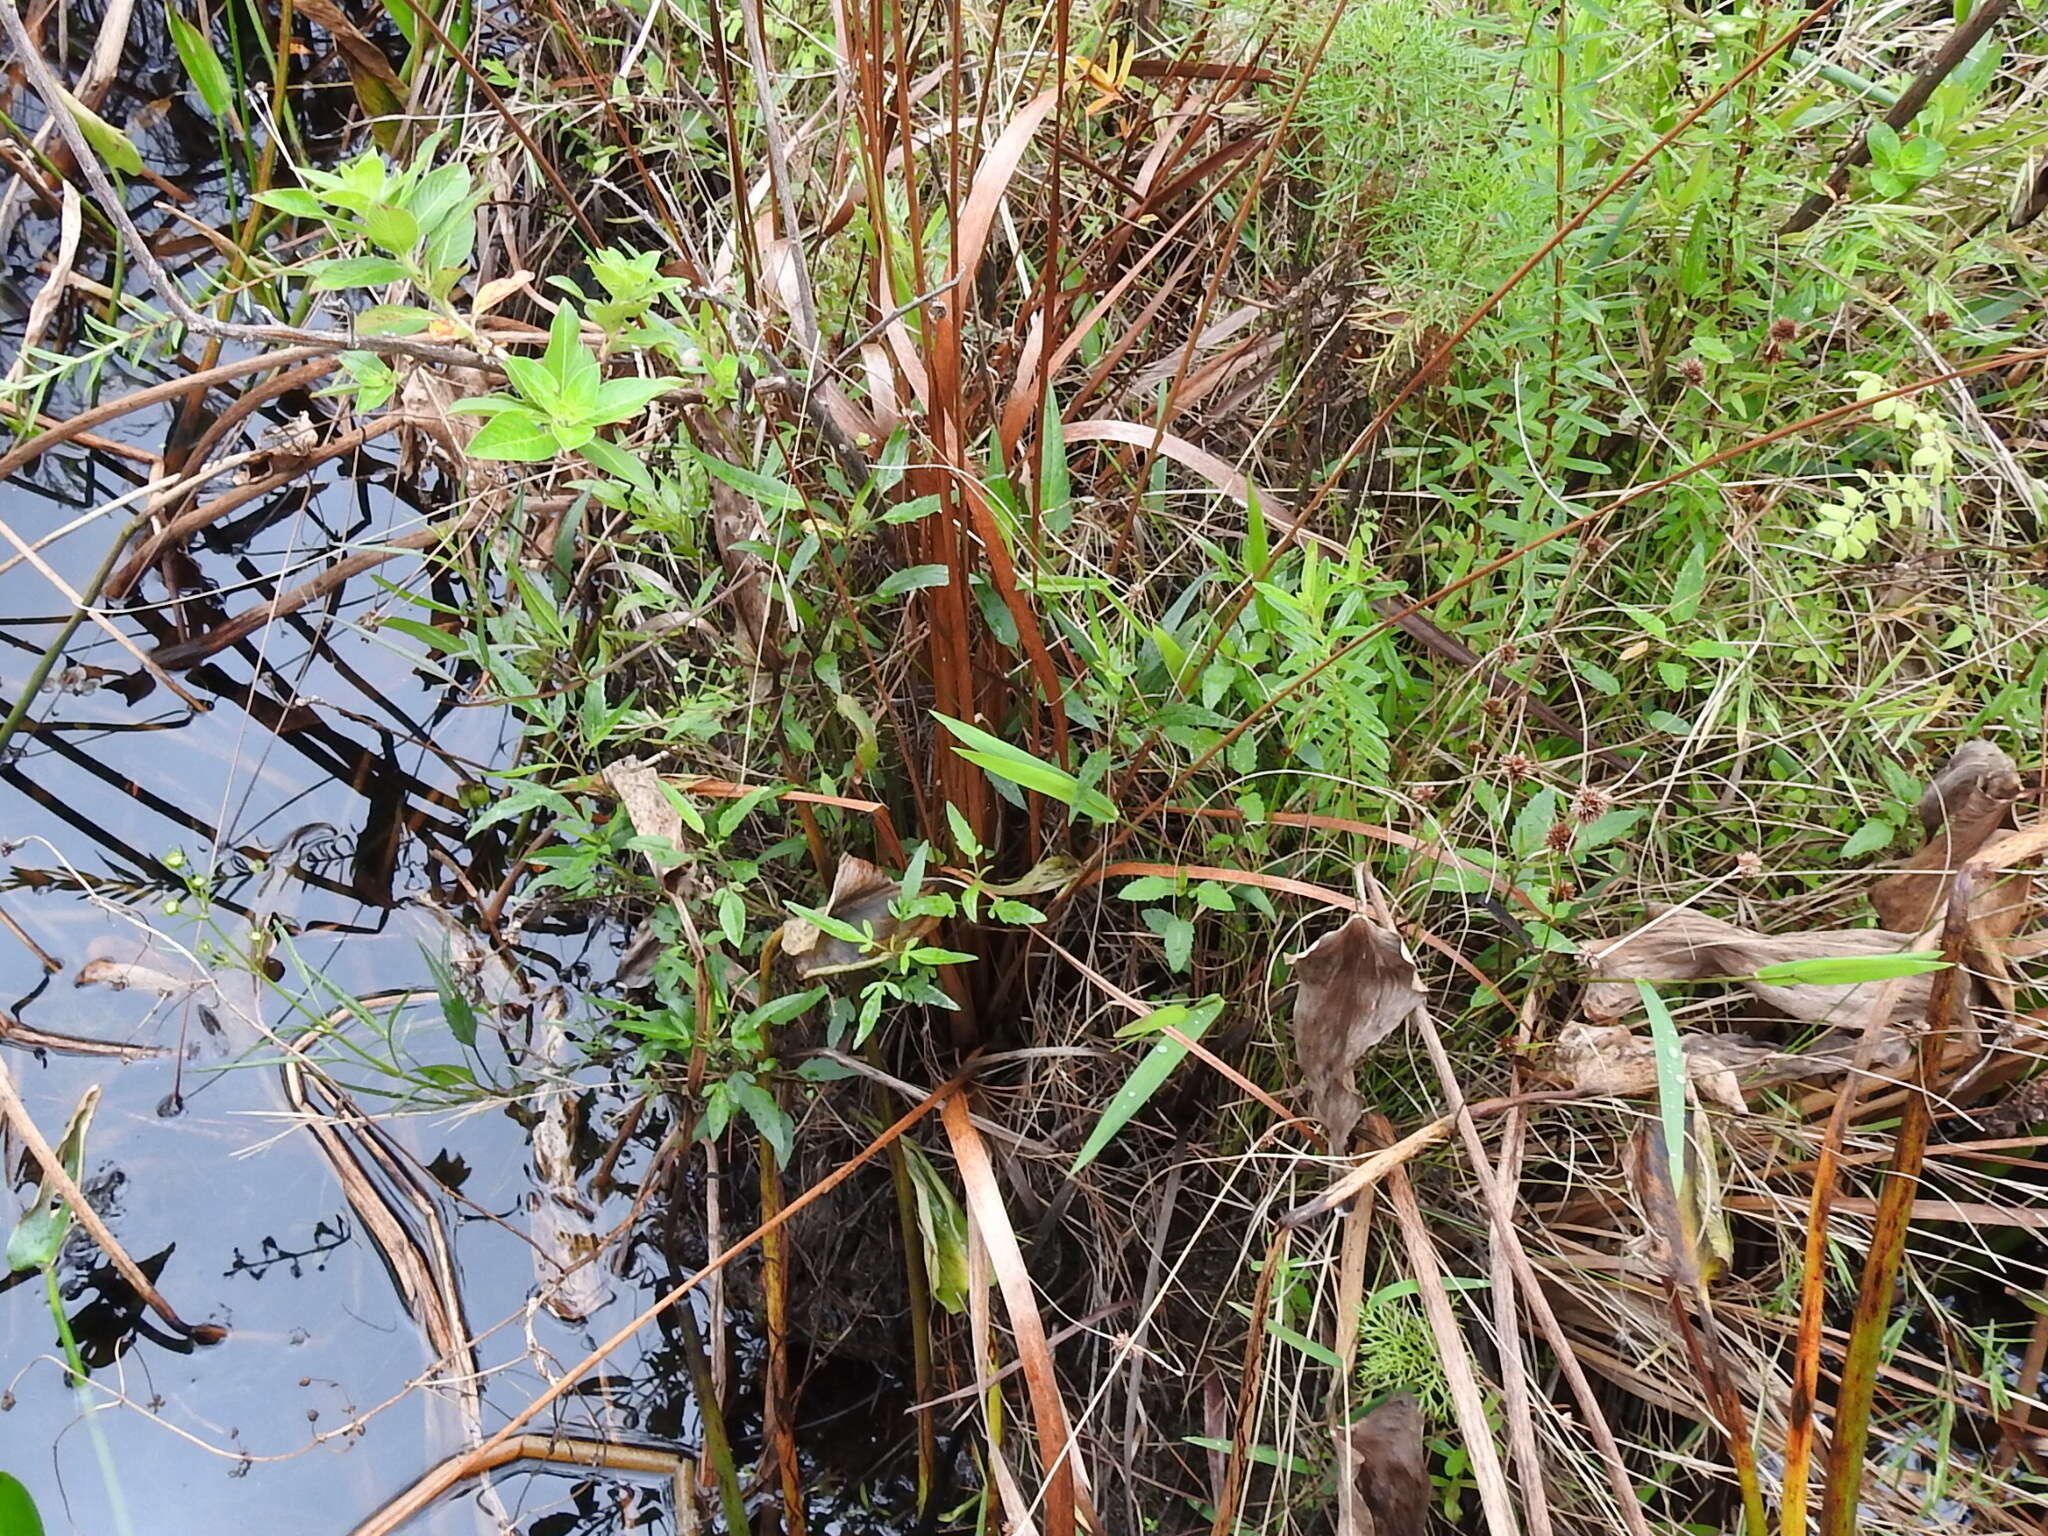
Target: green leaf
623 399
1014 765
1175 932
295 201
1873 835
1055 489
759 1106
912 578
518 435
18 1515
764 489
534 381
941 1229
781 1010
1149 1074
1596 677
202 66
39 1236
1606 829
574 365
391 228
1671 1077
619 464
354 272
1851 970
102 137
1150 888
393 320
1264 1455
456 1007
1688 586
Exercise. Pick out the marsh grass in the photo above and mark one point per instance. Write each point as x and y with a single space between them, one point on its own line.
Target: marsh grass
1004 347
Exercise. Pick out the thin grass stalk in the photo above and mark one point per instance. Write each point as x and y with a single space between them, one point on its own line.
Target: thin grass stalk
1248 1389
917 1286
778 1410
1467 1403
711 1415
1854 1401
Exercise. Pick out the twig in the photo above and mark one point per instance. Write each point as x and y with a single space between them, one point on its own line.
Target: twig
55 435
1509 1238
17 1116
84 605
1937 69
1466 1401
189 653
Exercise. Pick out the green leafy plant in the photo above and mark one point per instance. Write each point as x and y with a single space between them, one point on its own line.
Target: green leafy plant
559 402
419 222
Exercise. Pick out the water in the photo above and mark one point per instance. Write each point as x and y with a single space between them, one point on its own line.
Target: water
107 806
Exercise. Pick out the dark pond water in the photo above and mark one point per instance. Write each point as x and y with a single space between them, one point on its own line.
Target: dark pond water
104 809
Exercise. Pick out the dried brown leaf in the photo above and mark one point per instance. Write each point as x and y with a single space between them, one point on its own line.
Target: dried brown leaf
1613 1059
1680 944
363 56
862 895
646 803
1357 984
1392 1468
121 975
1970 799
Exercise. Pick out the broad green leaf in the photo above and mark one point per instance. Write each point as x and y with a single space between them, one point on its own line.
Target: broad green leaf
1851 970
534 380
202 65
297 202
619 464
1873 835
1597 677
393 320
354 272
1150 888
1150 1073
781 1010
391 228
623 399
102 137
1176 936
993 755
517 435
912 578
18 1515
1690 582
760 1107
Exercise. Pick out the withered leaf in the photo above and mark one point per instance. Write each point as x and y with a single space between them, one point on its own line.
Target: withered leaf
646 803
1357 984
1392 1469
1970 799
862 894
1680 944
1612 1059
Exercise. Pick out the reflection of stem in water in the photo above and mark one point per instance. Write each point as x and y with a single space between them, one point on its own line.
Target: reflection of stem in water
75 1379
